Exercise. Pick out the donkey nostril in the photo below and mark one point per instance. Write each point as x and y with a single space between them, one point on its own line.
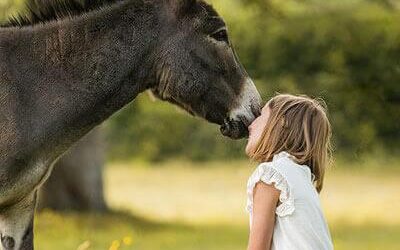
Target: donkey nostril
225 127
256 111
7 242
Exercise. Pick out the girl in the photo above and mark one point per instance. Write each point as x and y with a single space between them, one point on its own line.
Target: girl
291 140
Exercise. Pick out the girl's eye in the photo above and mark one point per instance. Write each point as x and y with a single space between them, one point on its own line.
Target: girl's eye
221 36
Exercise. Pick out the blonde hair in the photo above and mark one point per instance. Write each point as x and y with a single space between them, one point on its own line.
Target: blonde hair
298 125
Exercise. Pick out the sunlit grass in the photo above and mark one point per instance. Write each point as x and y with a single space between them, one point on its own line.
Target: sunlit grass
183 206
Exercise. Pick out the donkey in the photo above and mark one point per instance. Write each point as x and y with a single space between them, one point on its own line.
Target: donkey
66 66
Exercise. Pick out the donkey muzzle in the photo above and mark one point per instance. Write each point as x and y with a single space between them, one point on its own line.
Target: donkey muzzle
246 109
234 129
9 243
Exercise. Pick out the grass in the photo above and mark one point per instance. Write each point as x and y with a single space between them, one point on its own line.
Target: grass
186 206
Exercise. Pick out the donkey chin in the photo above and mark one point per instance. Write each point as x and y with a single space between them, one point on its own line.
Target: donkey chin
243 114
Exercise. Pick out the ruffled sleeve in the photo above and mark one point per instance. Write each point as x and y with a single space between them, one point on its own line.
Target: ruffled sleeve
267 173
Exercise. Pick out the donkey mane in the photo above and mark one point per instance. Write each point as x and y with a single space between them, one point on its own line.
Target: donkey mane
41 11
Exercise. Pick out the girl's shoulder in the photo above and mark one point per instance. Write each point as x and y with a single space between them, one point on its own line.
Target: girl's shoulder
284 174
272 173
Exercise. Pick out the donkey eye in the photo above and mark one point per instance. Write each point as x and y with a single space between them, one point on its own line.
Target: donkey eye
221 36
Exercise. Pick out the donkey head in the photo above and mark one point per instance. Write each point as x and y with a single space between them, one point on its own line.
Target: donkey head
198 70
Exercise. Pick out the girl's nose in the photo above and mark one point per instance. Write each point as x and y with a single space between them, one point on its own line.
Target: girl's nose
250 127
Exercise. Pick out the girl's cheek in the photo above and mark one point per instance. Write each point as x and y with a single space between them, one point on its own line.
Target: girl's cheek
255 136
254 125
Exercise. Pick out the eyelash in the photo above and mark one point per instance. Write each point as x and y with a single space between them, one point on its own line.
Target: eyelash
221 36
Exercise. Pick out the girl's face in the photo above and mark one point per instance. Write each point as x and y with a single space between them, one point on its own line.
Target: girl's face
256 129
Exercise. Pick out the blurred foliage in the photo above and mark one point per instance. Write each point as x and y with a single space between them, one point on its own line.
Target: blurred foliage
9 7
347 52
349 55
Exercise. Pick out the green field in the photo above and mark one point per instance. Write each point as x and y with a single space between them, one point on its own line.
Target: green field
186 206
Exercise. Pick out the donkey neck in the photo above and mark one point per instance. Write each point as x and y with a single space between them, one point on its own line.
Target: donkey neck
67 76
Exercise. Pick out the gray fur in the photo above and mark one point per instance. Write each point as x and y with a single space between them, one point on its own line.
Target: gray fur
61 78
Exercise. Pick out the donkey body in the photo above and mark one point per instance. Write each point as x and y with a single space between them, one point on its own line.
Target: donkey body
62 76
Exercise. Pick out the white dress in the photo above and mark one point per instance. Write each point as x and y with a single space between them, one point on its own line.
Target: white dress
300 223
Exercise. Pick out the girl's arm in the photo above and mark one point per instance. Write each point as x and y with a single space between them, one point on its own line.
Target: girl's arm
265 200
